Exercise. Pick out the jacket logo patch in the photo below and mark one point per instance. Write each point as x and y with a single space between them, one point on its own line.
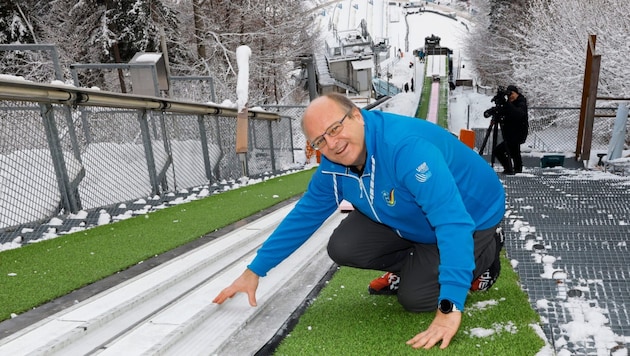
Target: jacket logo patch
389 197
423 173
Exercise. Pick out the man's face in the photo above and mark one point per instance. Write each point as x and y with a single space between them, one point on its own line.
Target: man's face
513 95
343 144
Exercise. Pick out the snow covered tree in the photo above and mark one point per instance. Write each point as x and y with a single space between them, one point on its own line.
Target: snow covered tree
18 26
112 31
201 37
278 32
15 24
552 68
495 38
91 31
540 45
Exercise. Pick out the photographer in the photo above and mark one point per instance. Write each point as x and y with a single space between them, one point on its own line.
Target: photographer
514 119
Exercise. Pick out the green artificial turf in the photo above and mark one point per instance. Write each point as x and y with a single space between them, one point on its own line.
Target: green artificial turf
346 320
343 320
423 106
40 272
443 108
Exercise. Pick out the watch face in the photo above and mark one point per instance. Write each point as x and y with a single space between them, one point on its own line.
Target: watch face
446 306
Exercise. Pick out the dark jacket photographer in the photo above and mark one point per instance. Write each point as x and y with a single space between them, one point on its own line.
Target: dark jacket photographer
515 125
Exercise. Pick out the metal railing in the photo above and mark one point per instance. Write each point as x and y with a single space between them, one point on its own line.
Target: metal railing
65 149
554 129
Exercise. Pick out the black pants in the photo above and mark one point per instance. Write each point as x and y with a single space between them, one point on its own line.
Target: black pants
362 243
509 155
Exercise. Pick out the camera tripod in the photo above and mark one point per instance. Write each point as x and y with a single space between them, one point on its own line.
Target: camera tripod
495 126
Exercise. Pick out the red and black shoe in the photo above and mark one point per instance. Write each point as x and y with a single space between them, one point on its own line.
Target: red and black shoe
487 278
386 284
490 276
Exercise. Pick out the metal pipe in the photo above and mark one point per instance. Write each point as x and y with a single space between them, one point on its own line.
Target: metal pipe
35 92
32 94
610 98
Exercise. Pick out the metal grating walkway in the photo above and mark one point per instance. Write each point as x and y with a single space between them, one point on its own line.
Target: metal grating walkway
567 233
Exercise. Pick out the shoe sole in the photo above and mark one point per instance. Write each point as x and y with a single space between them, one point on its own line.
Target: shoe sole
382 292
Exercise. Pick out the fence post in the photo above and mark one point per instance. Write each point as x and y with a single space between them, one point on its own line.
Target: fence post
76 151
85 125
148 151
589 117
68 201
242 140
217 168
271 148
615 147
203 137
588 68
291 143
169 156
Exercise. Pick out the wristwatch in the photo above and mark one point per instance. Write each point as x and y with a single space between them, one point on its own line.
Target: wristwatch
446 306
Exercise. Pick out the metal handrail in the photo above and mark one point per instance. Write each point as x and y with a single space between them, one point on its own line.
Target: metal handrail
70 95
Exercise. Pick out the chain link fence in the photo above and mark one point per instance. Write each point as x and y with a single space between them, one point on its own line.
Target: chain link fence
195 89
60 159
293 113
555 130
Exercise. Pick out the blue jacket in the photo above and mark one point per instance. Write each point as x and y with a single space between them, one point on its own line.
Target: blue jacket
420 180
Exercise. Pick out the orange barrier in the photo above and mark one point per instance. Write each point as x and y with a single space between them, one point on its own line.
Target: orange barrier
310 152
467 137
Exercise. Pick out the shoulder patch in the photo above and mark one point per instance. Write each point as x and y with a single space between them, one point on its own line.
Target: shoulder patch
423 173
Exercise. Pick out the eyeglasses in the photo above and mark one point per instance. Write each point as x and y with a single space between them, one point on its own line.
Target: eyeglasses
332 131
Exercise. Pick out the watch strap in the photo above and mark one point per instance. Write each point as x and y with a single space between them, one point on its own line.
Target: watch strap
446 306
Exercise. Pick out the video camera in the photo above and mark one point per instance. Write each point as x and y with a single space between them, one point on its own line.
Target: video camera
499 100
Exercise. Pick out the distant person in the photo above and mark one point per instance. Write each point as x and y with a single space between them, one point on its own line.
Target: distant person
406 87
515 120
421 55
427 211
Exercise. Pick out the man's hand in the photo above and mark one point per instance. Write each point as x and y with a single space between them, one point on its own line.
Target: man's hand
443 328
246 283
